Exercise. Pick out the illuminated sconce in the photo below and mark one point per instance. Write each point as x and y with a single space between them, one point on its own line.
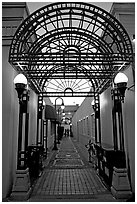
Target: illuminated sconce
95 104
20 82
22 171
42 104
62 105
120 83
21 87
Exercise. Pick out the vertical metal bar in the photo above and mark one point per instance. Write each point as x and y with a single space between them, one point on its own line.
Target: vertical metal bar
41 131
99 126
46 136
97 118
95 129
118 132
26 130
55 136
19 137
26 138
114 128
26 133
55 141
37 122
58 134
55 144
121 131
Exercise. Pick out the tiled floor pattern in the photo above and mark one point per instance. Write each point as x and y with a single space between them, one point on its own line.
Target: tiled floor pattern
68 181
68 162
67 178
67 155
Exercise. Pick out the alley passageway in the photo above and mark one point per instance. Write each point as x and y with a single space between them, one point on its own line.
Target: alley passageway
67 176
68 67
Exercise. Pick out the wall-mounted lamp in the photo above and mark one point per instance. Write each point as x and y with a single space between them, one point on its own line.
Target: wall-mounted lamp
20 82
22 180
118 94
120 84
40 122
21 87
96 107
42 104
62 104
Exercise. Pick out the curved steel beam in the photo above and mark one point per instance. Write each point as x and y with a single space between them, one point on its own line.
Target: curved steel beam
102 44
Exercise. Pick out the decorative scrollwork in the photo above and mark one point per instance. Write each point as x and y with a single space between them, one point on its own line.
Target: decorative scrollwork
70 40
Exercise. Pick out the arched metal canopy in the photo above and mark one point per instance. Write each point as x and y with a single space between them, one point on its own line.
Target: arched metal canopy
62 43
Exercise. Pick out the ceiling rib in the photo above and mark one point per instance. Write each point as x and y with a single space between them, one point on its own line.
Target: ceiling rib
70 41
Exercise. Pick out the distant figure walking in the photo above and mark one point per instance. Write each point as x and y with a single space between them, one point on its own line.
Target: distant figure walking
90 147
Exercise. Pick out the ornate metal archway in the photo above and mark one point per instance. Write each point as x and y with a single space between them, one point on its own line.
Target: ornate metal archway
62 43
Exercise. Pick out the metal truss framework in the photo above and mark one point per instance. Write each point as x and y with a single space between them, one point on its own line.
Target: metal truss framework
62 43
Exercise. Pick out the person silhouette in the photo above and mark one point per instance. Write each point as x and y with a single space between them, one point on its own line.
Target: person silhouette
90 147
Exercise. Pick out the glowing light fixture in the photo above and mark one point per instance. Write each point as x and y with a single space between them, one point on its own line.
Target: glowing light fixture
120 82
62 105
120 78
20 82
20 79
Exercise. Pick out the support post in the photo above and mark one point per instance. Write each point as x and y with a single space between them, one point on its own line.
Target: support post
21 188
120 188
45 137
120 184
55 136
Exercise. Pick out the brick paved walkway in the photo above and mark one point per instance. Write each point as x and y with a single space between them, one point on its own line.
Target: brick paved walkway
67 177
